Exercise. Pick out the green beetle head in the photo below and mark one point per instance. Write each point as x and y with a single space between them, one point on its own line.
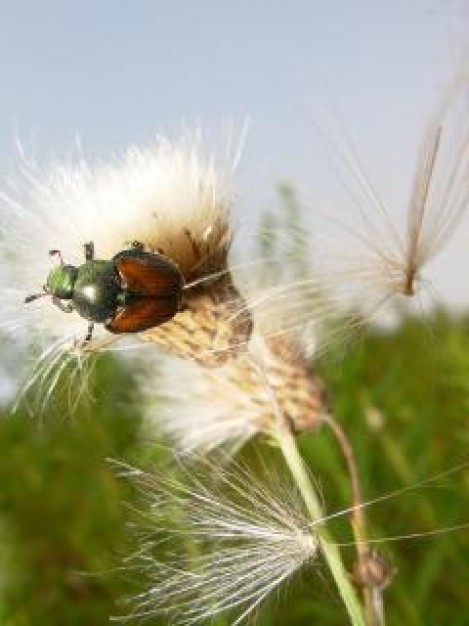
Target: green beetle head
61 281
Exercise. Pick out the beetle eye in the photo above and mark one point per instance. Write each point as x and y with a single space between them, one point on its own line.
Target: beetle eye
135 245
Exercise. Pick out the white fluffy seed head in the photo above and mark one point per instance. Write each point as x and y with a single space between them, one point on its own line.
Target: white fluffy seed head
365 267
248 536
202 409
374 260
173 196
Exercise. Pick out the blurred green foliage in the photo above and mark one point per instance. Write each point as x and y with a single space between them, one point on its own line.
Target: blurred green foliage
403 397
63 519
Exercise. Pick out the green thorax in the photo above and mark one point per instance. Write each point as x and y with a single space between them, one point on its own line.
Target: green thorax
97 290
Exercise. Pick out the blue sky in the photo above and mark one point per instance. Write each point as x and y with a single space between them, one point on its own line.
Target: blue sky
116 73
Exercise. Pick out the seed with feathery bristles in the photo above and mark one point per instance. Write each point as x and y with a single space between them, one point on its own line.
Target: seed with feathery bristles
362 263
250 536
385 262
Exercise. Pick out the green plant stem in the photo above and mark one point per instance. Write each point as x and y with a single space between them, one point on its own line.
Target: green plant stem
293 459
287 444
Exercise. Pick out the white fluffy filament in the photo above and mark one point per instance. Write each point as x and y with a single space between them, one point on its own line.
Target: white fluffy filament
247 538
172 196
381 260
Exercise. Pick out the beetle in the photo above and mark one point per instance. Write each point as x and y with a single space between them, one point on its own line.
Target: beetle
132 292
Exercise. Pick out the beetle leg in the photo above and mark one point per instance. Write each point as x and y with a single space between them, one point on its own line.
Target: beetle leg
81 344
57 253
89 251
66 308
89 334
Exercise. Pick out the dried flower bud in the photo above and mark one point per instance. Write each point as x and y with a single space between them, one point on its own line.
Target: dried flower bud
227 405
374 571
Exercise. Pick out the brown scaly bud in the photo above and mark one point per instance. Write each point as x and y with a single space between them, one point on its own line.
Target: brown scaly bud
373 570
213 326
223 407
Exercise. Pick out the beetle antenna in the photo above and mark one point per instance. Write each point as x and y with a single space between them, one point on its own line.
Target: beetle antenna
45 292
57 253
35 296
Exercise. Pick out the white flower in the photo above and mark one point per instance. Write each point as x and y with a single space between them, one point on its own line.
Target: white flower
173 196
166 196
249 535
